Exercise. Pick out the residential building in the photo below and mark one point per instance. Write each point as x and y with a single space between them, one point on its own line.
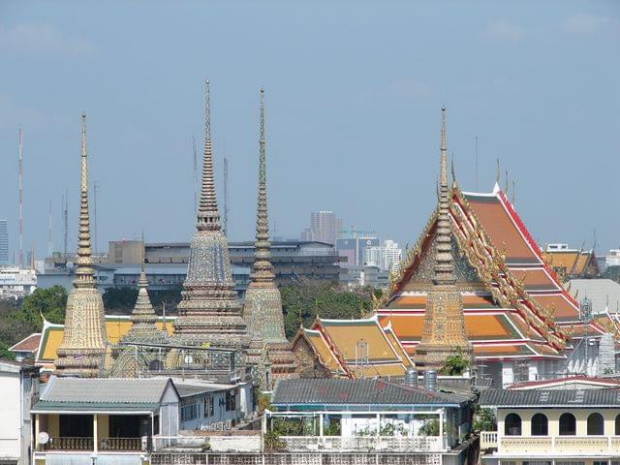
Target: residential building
552 426
377 417
18 385
27 347
4 242
365 275
103 420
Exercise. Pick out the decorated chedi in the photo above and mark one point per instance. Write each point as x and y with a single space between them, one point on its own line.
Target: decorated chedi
143 318
209 313
263 304
83 348
443 333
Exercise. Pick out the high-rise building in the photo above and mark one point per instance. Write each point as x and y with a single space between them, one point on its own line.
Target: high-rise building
353 245
324 227
83 347
4 242
209 312
269 351
386 257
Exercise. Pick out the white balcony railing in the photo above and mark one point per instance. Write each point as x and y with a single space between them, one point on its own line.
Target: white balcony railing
363 443
558 445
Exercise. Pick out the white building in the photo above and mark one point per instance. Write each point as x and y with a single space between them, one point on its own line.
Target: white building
17 386
613 258
17 282
386 256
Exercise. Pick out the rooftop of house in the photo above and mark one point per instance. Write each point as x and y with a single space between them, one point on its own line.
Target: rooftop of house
549 398
347 392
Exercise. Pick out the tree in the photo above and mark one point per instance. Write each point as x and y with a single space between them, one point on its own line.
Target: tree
485 420
51 303
120 299
301 303
455 364
5 353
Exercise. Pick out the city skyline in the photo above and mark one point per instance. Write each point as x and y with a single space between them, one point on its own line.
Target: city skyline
359 142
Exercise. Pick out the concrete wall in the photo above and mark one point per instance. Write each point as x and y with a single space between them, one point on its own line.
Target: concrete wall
10 426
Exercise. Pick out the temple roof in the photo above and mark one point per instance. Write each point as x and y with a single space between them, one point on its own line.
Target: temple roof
572 263
513 302
373 351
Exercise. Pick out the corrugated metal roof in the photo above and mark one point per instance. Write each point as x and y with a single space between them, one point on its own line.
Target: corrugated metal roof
105 390
358 391
45 406
551 398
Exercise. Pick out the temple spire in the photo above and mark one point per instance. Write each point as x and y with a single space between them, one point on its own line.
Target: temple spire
262 270
208 216
444 266
84 261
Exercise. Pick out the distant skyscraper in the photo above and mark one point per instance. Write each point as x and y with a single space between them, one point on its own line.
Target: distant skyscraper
324 227
4 242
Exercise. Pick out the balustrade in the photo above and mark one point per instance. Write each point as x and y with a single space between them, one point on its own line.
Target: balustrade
66 443
120 444
559 445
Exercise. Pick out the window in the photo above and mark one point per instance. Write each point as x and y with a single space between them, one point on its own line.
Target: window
209 409
596 425
512 425
189 409
540 425
568 425
618 428
231 400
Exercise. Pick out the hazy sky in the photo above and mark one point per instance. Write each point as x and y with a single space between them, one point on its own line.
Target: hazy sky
353 98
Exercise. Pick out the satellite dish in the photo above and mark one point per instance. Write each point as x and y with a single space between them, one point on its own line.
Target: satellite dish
188 359
43 437
70 265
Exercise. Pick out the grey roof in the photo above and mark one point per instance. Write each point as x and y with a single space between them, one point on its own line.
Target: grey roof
551 398
186 390
358 391
105 390
604 293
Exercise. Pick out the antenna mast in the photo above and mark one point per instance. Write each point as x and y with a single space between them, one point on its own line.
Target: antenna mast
50 243
195 164
65 219
225 225
95 189
476 162
20 257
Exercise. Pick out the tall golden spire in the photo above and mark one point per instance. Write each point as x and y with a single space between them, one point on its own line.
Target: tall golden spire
83 346
208 216
444 266
84 261
443 333
262 270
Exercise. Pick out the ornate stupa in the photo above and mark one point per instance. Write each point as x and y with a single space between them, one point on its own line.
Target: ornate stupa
263 304
443 332
209 312
143 317
83 347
